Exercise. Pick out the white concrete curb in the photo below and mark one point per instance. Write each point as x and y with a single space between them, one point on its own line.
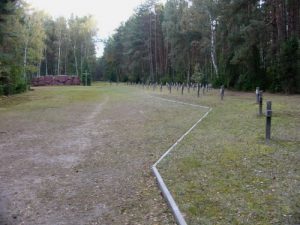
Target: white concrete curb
162 186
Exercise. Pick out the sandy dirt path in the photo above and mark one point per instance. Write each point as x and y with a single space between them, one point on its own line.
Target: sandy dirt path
85 163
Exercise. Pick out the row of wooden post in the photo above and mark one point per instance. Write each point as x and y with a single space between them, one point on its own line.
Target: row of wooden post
259 100
177 86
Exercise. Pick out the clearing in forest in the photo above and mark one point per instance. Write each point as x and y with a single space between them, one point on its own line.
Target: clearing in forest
82 155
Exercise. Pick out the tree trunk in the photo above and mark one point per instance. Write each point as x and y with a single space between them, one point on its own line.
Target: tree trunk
213 47
76 63
189 69
40 65
46 61
150 49
280 20
293 23
58 60
81 61
25 61
167 57
155 47
66 60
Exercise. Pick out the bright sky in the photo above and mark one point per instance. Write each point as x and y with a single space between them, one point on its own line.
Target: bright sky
108 13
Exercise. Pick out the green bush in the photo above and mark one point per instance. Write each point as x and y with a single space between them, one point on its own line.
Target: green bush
8 89
1 90
86 79
288 65
20 87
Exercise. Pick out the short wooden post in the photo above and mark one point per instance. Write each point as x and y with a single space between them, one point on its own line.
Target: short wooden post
198 90
161 87
260 103
222 92
257 95
170 88
268 120
182 88
188 87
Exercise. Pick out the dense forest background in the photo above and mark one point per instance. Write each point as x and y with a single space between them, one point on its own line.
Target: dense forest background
239 43
33 44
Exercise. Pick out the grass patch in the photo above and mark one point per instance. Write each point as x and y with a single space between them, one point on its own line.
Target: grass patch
225 173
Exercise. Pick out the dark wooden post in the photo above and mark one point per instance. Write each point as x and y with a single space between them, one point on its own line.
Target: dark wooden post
170 88
198 90
188 87
268 120
260 103
257 95
182 88
161 87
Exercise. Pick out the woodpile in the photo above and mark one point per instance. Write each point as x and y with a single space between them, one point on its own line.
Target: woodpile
55 80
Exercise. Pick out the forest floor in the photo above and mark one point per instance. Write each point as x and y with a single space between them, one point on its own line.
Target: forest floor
82 155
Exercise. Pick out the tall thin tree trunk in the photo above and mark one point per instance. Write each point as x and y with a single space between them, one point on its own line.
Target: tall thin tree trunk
25 61
81 61
40 65
66 60
167 57
189 69
76 63
280 19
150 49
46 61
293 21
58 60
213 47
155 36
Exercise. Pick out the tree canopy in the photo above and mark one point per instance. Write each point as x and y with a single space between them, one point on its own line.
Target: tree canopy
241 44
34 44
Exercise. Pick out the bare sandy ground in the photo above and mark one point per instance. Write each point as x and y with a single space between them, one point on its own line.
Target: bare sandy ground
86 163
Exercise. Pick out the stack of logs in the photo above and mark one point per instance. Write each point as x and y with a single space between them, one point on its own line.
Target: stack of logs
55 80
